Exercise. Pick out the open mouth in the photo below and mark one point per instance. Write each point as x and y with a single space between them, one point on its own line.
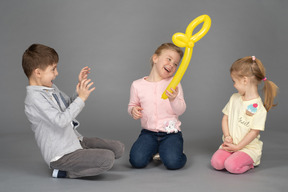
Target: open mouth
167 69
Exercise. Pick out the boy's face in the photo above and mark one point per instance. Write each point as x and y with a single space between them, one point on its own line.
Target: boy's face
47 76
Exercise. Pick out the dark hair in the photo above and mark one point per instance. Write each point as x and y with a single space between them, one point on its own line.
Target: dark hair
38 56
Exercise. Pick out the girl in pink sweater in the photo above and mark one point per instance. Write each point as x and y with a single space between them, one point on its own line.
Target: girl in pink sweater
161 131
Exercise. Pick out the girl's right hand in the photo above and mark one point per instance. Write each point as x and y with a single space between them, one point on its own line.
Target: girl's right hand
228 139
136 112
83 89
172 95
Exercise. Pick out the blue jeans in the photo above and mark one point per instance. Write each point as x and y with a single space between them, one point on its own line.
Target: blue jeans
169 147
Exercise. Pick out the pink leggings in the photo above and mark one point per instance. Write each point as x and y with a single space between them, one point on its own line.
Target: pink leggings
234 162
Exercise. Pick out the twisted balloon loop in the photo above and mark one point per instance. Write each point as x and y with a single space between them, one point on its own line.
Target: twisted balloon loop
187 40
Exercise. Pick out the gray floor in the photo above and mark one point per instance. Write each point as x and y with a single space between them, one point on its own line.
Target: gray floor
23 169
116 40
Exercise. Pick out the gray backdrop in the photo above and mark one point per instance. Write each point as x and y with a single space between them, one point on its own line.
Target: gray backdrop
117 38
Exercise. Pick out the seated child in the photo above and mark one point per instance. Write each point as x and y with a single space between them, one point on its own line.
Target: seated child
161 133
52 116
244 117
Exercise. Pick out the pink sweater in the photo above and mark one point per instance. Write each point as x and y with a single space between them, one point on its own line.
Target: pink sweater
158 114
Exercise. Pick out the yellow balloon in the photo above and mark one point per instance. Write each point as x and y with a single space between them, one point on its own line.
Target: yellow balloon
187 40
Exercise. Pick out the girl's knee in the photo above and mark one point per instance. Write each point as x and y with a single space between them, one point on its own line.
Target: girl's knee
137 163
236 168
232 167
218 159
173 163
239 162
138 160
217 164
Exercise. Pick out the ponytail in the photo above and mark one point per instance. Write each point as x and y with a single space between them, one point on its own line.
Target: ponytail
270 91
252 66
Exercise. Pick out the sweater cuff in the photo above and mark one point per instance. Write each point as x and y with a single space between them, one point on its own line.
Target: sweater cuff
79 102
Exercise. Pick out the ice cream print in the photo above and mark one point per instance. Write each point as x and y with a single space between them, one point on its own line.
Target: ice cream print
251 109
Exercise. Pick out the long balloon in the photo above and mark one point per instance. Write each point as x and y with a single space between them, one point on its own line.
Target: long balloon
187 40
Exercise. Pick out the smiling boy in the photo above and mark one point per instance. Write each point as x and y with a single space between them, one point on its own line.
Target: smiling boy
52 116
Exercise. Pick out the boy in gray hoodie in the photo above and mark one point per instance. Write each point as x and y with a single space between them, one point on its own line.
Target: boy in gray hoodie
52 116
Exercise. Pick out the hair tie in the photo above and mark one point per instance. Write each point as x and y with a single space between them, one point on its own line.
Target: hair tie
253 58
264 79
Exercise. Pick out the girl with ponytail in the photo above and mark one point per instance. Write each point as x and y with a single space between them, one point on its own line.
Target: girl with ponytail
244 117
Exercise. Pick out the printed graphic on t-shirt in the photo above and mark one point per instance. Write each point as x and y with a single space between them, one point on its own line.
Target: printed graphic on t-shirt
170 126
251 109
245 123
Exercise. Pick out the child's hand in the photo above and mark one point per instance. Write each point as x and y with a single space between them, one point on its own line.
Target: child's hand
230 147
136 112
173 95
228 139
83 89
84 74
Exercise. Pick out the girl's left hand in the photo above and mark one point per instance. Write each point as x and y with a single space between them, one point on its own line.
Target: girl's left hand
83 74
173 95
230 147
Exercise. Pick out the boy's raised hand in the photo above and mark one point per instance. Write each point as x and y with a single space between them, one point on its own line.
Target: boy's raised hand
84 73
84 84
83 89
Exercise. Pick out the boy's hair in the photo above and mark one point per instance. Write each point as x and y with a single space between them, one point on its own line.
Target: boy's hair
165 46
38 56
253 67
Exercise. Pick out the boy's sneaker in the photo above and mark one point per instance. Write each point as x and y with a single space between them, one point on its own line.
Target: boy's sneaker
156 157
59 174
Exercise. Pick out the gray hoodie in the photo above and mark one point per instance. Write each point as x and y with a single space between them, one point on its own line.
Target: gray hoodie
54 126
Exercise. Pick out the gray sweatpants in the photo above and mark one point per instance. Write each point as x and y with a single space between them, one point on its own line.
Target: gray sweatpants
96 157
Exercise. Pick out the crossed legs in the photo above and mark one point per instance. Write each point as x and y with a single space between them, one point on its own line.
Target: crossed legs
96 157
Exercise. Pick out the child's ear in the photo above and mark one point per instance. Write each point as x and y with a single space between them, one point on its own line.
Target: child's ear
245 80
154 58
37 72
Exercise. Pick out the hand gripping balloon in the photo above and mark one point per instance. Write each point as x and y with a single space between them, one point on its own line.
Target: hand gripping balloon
187 40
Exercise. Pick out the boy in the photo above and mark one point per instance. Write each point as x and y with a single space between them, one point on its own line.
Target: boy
52 116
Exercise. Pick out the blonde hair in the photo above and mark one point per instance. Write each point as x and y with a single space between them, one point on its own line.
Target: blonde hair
253 67
166 46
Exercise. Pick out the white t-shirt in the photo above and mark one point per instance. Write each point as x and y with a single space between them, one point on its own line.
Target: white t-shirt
242 117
